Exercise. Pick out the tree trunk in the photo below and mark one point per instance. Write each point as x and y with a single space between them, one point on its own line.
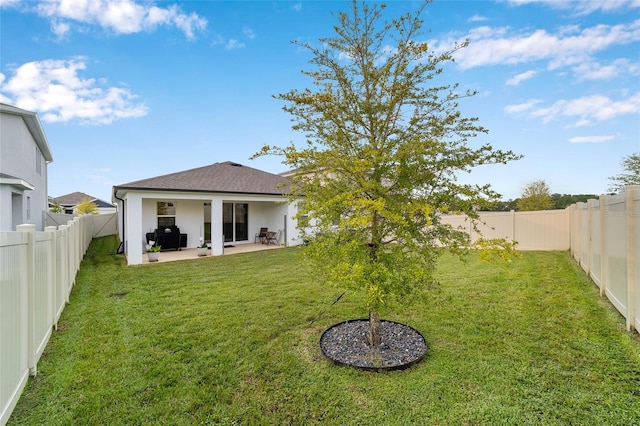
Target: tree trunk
374 329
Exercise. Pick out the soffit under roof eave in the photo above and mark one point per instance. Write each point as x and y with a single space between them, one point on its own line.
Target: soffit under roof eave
124 189
18 183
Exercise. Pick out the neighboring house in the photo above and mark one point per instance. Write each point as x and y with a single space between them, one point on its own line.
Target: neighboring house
24 155
69 202
224 203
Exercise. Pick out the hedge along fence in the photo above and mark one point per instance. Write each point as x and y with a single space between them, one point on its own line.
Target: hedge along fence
37 273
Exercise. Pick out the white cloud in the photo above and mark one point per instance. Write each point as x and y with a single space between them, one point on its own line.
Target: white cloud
54 89
234 44
518 108
591 139
477 18
121 17
249 33
582 7
60 29
596 71
9 3
519 78
589 109
500 46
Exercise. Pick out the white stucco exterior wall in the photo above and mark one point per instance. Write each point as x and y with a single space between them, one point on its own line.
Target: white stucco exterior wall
134 244
141 217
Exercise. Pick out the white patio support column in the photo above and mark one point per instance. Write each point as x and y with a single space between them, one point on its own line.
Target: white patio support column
133 229
217 239
292 232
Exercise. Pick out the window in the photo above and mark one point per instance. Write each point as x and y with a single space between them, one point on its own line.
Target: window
28 209
166 212
235 220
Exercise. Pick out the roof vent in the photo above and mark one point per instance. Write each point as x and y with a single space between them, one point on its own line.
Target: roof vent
235 164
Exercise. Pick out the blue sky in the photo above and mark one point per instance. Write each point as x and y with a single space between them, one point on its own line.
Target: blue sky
134 89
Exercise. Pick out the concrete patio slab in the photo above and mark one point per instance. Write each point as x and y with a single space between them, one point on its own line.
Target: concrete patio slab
192 253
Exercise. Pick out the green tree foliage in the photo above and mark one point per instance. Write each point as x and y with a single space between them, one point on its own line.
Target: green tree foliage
86 207
56 208
562 201
631 165
502 206
385 144
535 196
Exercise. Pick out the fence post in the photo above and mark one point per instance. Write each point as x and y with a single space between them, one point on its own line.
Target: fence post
63 264
53 272
578 228
30 229
631 255
590 219
604 272
513 225
71 258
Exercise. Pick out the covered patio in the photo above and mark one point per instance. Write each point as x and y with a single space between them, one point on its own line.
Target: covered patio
223 204
192 253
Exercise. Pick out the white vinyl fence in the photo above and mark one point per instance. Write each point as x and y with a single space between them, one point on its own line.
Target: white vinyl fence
537 230
37 272
605 241
603 236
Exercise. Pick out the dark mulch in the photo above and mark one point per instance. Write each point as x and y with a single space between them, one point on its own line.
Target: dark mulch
346 344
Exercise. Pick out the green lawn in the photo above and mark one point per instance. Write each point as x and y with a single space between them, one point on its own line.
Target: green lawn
230 340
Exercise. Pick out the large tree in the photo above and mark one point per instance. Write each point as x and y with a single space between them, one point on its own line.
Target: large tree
535 196
385 146
631 166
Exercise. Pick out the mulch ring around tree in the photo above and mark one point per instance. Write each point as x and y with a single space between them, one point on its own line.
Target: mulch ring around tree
346 343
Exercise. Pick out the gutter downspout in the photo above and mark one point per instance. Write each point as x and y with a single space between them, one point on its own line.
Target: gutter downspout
120 249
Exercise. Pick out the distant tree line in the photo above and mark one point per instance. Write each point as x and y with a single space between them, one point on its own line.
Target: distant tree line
536 195
559 201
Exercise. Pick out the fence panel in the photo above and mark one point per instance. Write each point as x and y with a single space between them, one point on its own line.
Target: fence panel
105 224
575 233
43 291
596 242
495 225
616 252
62 272
539 230
14 368
37 272
542 230
584 231
634 215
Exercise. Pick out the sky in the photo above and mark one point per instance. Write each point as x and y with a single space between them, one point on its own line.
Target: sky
133 89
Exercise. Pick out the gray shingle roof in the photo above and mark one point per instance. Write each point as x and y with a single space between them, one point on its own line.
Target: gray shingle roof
77 197
73 199
227 177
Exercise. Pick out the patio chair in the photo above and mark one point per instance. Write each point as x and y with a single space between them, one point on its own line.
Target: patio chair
273 237
262 235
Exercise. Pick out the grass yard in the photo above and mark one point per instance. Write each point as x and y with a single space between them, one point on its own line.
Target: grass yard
230 341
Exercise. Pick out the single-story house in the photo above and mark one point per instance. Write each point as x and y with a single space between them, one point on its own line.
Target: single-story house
69 202
223 203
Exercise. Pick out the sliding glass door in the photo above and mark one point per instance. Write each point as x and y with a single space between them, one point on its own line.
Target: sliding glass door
235 222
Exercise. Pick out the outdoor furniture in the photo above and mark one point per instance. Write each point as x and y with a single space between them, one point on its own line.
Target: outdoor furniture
261 235
272 237
168 238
